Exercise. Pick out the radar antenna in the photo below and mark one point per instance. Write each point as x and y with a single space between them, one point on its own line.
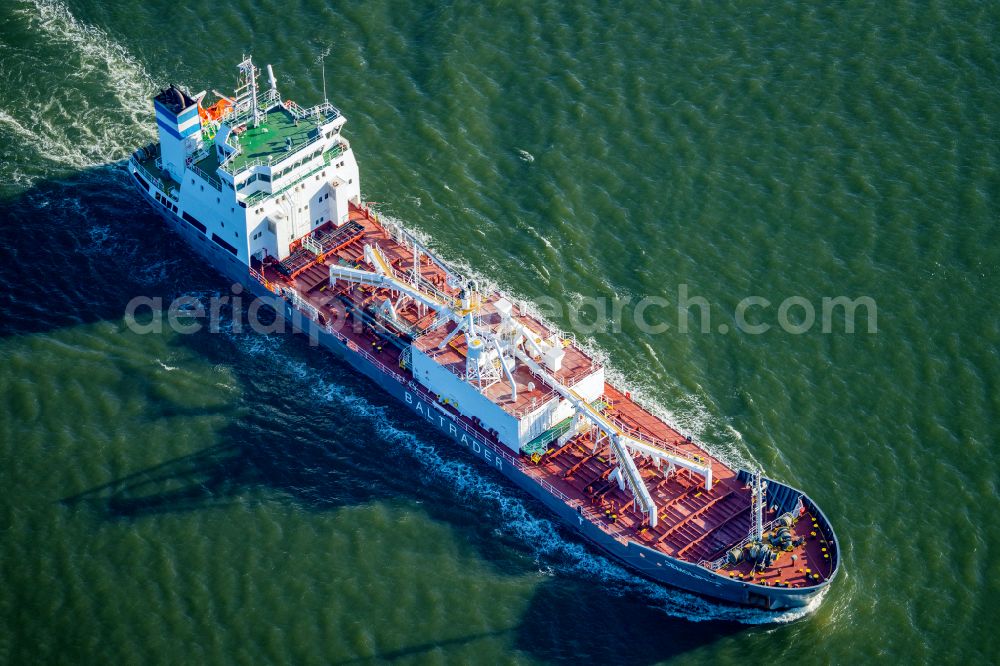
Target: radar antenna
246 92
322 66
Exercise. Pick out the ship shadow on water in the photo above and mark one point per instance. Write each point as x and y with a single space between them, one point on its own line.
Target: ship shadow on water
550 627
569 621
322 474
76 249
572 620
206 479
82 246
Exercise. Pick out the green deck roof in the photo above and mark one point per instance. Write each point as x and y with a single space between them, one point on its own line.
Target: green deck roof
269 138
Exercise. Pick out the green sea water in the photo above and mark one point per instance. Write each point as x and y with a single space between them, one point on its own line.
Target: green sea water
233 497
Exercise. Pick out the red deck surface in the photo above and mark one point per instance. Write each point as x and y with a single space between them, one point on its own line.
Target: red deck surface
575 366
694 524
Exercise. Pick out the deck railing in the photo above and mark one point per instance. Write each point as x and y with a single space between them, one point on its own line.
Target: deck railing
335 151
408 240
635 433
257 275
155 180
312 313
326 109
211 179
718 562
227 165
590 513
265 101
547 392
307 308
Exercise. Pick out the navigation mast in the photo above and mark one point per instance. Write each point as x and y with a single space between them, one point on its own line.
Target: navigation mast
246 92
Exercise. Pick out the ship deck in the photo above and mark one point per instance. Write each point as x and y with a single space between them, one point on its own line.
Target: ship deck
532 391
694 524
273 137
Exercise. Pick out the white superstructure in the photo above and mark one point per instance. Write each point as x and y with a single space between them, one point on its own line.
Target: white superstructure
254 172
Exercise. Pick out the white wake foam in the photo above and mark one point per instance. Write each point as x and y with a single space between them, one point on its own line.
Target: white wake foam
69 125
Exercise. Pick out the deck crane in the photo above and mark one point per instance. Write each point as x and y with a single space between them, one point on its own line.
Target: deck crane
480 343
622 444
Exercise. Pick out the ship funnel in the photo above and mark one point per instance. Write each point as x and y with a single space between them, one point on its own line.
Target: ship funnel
270 76
180 129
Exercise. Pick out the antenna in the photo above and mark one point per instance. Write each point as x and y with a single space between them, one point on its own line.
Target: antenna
322 64
246 91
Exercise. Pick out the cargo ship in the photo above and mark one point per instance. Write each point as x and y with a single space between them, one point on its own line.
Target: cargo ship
268 192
